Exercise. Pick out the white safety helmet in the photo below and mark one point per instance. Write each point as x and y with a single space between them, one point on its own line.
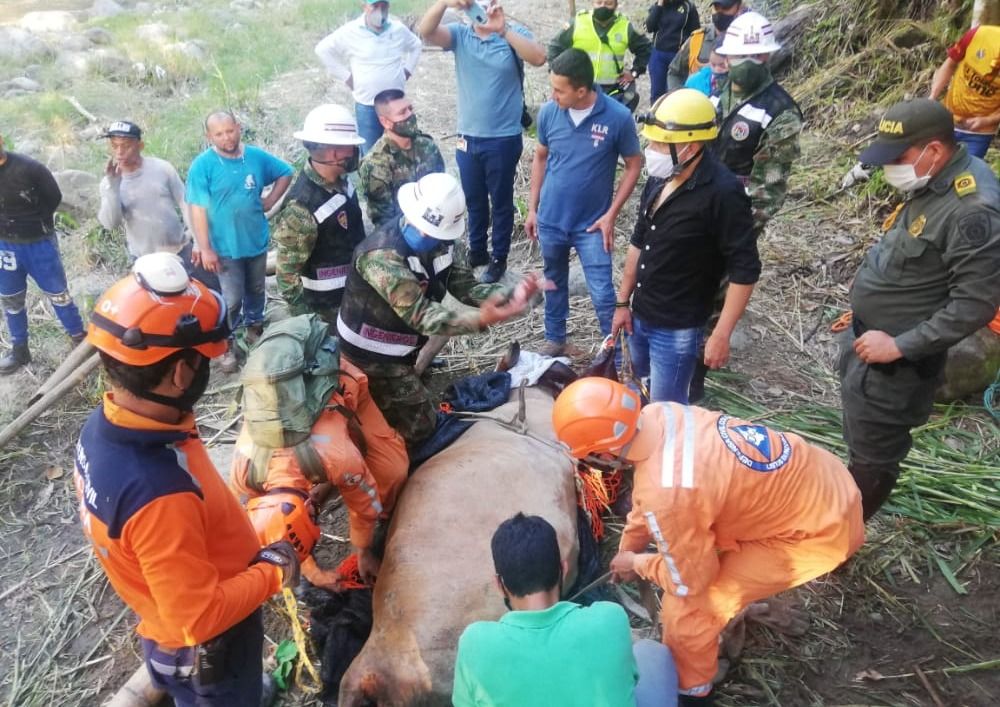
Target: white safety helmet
750 33
330 124
435 205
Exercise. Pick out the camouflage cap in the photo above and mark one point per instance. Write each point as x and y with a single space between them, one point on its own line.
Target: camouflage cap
906 124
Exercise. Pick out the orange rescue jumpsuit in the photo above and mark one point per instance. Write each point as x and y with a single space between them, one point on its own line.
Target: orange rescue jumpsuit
369 482
738 512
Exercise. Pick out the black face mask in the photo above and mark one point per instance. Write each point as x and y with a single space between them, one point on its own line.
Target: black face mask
186 400
349 164
722 22
603 14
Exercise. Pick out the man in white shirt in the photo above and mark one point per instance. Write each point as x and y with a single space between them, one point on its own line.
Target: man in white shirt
370 54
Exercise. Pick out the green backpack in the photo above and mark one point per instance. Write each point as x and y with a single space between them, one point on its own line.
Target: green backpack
287 383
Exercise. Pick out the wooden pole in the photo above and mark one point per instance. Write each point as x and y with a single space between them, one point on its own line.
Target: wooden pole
985 12
47 400
572 9
137 692
81 353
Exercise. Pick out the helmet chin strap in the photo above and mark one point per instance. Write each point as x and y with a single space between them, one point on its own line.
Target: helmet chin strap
680 166
619 462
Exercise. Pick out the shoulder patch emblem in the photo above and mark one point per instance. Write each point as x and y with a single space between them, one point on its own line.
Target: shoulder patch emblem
342 219
755 446
965 184
974 228
917 225
740 131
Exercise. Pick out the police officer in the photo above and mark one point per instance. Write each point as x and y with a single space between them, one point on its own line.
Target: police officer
930 281
321 223
403 154
605 34
392 303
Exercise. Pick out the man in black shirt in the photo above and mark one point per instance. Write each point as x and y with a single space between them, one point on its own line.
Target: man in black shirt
29 196
695 225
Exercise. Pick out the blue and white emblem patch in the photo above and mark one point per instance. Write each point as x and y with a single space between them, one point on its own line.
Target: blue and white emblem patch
755 446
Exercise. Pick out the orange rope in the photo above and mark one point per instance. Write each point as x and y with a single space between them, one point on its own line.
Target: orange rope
597 491
350 577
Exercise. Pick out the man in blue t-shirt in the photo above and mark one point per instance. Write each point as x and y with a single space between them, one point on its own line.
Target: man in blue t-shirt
550 653
573 202
489 64
228 213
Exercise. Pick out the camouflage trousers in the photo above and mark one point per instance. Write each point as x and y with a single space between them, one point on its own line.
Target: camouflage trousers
403 398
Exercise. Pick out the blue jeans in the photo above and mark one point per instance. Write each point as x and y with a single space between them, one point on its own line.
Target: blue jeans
657 686
596 264
487 167
368 126
667 357
235 659
659 64
242 283
976 143
39 259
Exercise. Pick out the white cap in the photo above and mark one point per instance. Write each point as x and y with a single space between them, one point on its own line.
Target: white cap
330 124
435 205
750 33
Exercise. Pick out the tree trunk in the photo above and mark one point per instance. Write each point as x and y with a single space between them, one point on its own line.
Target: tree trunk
986 12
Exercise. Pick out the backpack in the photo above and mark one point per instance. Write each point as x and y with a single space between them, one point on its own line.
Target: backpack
287 383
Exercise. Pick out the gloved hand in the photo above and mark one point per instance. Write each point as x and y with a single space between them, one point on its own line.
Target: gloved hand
859 173
282 555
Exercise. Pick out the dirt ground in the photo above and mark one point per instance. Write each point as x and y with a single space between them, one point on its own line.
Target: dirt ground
886 629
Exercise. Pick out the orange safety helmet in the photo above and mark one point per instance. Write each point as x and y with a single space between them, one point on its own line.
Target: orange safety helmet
157 310
285 514
595 416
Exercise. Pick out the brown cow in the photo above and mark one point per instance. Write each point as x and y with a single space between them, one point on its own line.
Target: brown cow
437 575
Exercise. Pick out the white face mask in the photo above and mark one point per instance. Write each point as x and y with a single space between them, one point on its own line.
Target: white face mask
904 176
662 165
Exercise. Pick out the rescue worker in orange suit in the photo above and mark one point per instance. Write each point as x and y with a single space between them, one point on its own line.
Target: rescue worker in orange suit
173 541
363 457
737 512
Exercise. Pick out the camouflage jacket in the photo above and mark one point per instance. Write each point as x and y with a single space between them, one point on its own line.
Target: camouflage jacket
773 157
294 234
389 275
387 167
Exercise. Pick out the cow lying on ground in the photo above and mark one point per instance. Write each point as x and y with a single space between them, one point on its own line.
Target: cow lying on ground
437 572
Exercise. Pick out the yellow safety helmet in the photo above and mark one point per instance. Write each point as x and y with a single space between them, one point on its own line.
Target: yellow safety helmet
686 115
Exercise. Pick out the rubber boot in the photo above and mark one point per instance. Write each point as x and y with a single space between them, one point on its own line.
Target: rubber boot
875 482
77 339
696 391
17 356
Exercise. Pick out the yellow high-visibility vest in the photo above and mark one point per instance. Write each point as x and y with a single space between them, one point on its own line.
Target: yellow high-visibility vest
607 58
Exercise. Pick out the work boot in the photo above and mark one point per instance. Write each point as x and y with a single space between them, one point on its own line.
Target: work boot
77 339
17 356
477 258
254 332
229 363
494 272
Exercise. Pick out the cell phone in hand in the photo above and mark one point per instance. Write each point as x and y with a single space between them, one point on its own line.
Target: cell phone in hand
476 13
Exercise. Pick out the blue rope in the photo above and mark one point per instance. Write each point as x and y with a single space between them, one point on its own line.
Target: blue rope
991 398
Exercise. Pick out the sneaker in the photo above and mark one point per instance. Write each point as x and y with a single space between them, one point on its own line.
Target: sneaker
494 272
229 363
477 259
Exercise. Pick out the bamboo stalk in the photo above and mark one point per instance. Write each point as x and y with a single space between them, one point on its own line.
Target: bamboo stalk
76 357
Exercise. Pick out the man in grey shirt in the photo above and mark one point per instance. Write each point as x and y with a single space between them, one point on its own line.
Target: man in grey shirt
144 193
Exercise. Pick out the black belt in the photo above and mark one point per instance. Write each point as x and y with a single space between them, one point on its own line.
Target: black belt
926 367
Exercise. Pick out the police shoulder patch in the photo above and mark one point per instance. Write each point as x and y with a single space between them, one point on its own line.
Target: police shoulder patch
965 184
974 228
754 446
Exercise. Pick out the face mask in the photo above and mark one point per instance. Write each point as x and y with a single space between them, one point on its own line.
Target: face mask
603 14
186 400
348 164
406 128
376 18
904 176
722 22
663 166
748 74
417 241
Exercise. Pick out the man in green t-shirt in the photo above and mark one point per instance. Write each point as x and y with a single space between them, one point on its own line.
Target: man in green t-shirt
547 652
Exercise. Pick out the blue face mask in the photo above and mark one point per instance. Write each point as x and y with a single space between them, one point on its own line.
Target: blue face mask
417 240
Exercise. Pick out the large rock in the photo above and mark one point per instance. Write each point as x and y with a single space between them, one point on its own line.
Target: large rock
48 21
25 84
106 8
19 46
99 35
155 33
80 192
103 61
972 366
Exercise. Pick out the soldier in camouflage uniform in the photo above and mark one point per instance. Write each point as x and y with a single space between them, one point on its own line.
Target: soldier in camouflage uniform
401 274
320 222
403 154
930 281
759 126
